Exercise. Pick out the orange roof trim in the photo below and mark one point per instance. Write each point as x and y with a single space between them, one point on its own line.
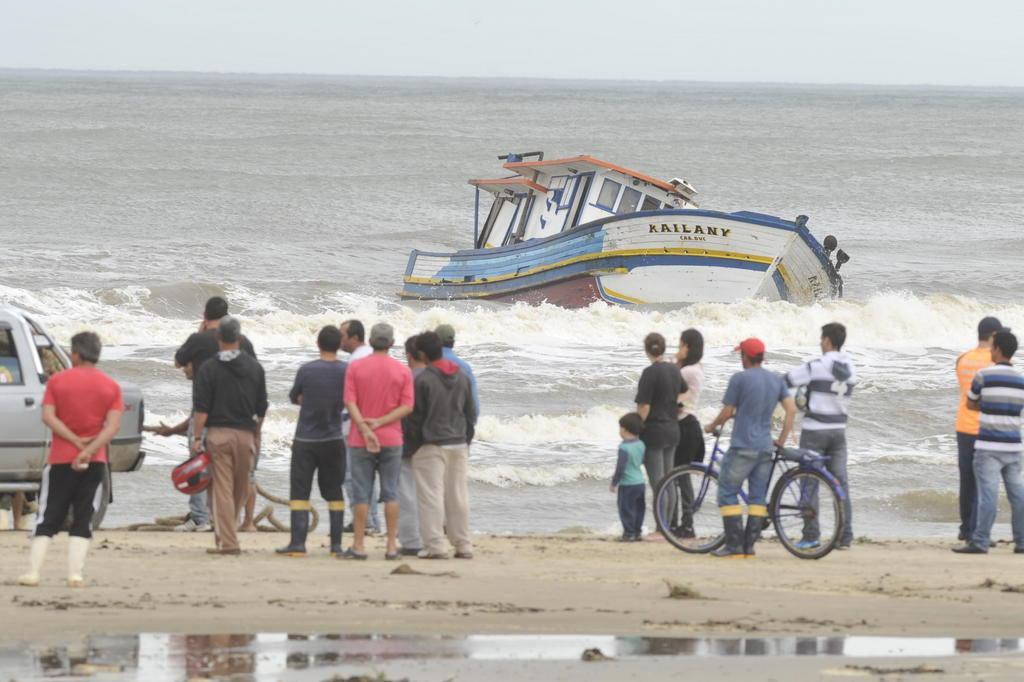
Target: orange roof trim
507 182
596 162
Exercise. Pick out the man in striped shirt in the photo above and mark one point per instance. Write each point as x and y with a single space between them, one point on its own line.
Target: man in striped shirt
829 380
998 393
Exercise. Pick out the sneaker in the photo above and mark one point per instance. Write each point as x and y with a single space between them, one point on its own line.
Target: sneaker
204 528
808 544
188 527
970 549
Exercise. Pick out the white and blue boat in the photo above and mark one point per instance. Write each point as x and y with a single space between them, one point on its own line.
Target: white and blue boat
577 230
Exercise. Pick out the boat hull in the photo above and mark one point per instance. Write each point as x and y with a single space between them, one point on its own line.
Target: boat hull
653 257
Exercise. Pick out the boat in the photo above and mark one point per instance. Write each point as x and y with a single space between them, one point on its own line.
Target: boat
573 231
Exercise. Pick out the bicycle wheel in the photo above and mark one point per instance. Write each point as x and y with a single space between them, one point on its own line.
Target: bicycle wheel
807 513
686 509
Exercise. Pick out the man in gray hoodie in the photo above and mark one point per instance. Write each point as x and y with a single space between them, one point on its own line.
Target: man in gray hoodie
443 418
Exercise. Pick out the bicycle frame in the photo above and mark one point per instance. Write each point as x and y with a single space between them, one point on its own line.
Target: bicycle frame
778 461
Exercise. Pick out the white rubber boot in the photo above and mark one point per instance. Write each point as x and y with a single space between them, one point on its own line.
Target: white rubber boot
77 549
5 519
37 555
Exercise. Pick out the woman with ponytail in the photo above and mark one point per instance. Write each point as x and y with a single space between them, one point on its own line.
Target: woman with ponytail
691 437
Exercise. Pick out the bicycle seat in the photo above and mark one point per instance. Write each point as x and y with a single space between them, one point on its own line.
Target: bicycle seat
801 455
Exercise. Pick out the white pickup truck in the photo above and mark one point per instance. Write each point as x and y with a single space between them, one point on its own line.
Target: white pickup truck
28 357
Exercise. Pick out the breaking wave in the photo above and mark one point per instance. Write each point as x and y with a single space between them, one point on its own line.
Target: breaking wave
142 316
596 425
925 505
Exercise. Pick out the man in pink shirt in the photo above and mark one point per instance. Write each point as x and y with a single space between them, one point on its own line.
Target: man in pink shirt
378 394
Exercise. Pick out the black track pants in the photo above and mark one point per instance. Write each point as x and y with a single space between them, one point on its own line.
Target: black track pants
65 489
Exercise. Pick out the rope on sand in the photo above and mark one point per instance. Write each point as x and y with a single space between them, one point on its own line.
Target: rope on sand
167 523
268 514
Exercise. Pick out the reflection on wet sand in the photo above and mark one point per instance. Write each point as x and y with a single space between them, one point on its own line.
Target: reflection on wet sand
174 656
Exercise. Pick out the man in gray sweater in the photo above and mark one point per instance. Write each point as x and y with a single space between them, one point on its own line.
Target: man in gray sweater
443 418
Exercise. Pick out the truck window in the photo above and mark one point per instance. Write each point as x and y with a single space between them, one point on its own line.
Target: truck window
50 359
10 366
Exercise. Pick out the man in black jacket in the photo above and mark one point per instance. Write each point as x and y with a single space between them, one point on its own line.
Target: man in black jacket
443 417
197 349
230 401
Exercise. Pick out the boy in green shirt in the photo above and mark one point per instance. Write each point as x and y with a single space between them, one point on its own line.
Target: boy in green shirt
628 480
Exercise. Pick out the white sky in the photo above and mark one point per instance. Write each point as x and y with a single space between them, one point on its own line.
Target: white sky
970 42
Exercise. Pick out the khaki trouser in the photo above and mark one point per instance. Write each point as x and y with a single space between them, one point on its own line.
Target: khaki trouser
231 451
442 496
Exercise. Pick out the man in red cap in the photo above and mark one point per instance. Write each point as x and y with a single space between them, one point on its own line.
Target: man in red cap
751 398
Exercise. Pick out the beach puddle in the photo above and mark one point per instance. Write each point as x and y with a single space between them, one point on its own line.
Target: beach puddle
267 656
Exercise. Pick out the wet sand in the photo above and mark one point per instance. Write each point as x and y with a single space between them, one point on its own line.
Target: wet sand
561 584
165 582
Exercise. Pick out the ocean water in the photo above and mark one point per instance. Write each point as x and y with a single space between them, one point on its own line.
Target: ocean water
128 199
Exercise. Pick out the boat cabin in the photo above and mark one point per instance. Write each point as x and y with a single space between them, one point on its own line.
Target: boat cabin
545 197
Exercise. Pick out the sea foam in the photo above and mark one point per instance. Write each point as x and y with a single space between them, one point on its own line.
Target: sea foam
888 319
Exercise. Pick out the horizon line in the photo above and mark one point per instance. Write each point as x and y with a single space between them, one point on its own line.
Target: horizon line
546 79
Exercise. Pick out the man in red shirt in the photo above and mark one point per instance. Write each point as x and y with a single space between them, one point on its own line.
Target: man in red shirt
82 406
378 394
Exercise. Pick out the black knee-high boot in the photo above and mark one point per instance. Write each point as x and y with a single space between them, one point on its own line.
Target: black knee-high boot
752 534
336 514
300 528
733 546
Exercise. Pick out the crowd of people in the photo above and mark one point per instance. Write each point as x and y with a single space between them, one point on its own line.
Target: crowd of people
664 432
374 430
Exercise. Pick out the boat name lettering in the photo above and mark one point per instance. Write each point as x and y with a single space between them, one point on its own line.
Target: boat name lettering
689 229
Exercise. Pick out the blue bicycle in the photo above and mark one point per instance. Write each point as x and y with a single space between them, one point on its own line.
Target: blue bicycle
805 506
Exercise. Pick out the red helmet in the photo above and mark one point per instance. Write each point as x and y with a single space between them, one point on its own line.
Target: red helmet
192 476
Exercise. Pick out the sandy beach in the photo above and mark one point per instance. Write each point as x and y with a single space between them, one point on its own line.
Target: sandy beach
561 584
165 582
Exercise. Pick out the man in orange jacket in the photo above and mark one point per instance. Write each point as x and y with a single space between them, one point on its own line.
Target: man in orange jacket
967 365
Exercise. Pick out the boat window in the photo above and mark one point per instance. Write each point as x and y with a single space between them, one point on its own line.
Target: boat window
10 368
606 199
629 201
650 204
567 193
485 233
580 200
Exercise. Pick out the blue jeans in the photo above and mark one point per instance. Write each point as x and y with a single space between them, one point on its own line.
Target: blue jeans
968 487
199 508
373 520
831 442
738 465
408 514
989 465
366 466
631 509
198 504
